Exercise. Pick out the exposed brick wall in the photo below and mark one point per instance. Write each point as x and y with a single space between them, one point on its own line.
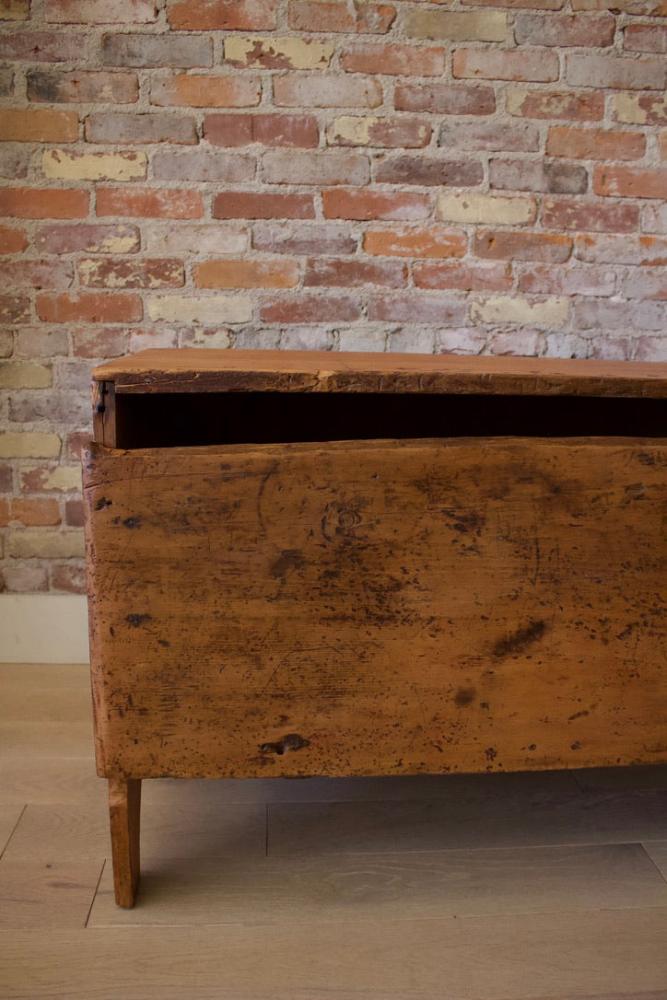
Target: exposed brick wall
473 177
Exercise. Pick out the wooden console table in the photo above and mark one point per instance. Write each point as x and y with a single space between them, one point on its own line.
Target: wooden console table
357 564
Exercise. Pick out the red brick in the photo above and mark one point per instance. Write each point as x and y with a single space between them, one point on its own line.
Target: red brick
590 70
89 307
108 342
362 204
14 309
43 203
575 213
94 238
594 143
19 274
350 130
150 203
515 137
584 30
246 274
429 171
339 16
322 168
607 249
532 4
318 238
137 272
444 310
354 273
434 241
53 86
101 11
630 182
506 245
74 513
31 512
642 109
537 175
158 51
311 309
662 145
69 576
203 165
394 60
444 99
42 46
123 126
269 130
539 65
223 15
561 104
221 91
326 91
645 38
542 279
261 205
38 125
12 240
464 277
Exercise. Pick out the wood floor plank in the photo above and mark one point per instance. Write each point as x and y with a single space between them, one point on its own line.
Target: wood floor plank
646 776
387 886
50 692
469 958
9 817
51 780
39 895
657 852
46 739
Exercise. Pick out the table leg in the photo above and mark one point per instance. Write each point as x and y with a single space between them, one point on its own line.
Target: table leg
124 814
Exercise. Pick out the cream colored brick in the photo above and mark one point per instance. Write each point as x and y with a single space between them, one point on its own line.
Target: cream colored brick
549 313
40 543
351 129
61 479
61 164
457 26
29 445
278 53
486 208
628 108
206 310
24 375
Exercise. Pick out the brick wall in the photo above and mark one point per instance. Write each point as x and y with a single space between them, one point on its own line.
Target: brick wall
472 177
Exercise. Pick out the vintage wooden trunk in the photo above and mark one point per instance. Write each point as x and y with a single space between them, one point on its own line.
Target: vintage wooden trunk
356 564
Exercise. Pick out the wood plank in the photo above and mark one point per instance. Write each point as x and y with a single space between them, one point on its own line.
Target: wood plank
38 895
191 370
619 778
391 886
9 818
657 851
45 739
378 607
568 954
51 692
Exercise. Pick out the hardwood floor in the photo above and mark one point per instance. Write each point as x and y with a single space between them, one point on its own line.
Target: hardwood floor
486 887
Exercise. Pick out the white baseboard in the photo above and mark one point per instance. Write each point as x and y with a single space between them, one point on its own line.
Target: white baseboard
43 628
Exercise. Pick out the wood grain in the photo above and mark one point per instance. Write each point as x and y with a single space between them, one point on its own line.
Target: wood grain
378 607
46 894
192 370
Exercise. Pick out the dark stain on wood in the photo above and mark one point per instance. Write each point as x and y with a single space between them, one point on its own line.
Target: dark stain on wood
520 640
136 621
289 559
464 696
292 741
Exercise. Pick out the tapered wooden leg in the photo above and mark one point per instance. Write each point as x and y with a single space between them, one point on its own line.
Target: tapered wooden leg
124 814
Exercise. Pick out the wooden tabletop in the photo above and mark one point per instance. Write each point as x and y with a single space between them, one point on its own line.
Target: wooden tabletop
201 370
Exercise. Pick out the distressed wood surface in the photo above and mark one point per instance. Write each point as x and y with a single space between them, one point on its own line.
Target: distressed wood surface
377 607
192 370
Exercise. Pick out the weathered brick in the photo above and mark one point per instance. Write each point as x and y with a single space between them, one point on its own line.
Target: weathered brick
133 272
29 444
547 313
209 310
101 11
577 213
630 182
650 349
150 203
562 104
165 337
325 91
503 244
654 218
43 203
262 205
45 544
369 130
640 109
197 238
206 91
203 165
429 171
38 125
649 37
23 578
444 99
476 208
339 16
43 46
14 161
431 241
33 512
644 8
311 308
362 204
445 310
14 309
222 15
457 26
146 50
544 280
463 277
519 137
266 129
594 143
12 240
7 338
618 73
41 343
617 314
565 29
94 238
306 338
645 283
317 238
613 249
156 126
538 175
539 65
464 340
69 576
73 513
19 274
101 342
49 406
63 164
412 341
55 86
274 52
14 10
246 273
355 273
330 167
393 60
89 307
362 338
